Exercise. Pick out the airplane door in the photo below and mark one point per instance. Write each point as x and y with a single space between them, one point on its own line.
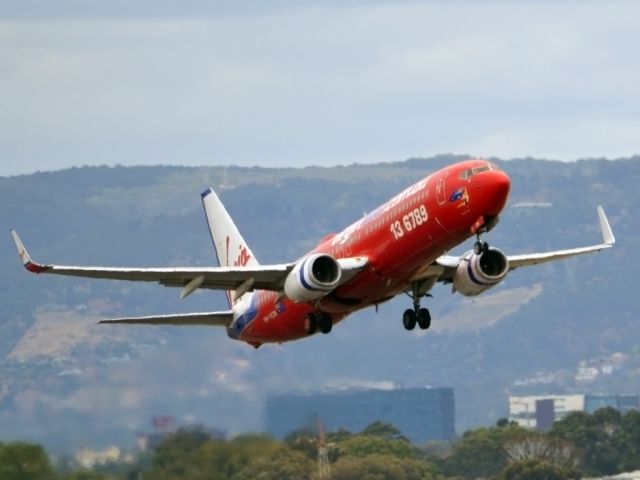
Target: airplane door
441 190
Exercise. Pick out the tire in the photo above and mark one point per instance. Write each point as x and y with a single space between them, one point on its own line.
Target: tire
424 318
409 319
325 323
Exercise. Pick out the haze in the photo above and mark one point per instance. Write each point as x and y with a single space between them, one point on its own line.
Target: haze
293 84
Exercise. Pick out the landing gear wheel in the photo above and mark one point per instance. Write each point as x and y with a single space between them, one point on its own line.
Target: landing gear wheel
424 318
325 322
310 324
480 247
409 319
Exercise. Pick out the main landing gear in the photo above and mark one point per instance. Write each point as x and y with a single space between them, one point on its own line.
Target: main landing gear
318 321
417 315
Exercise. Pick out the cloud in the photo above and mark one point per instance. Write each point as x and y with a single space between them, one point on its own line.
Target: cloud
299 85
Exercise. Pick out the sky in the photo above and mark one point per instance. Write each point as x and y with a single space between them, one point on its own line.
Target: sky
297 83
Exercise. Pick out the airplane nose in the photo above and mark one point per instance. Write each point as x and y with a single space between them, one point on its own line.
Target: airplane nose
498 186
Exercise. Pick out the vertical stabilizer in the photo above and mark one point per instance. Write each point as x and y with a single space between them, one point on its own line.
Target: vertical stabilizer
231 249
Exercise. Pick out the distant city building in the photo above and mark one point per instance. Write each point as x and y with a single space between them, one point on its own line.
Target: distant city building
623 403
422 414
88 458
540 411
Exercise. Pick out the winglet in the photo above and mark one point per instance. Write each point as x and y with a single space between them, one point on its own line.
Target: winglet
28 263
607 234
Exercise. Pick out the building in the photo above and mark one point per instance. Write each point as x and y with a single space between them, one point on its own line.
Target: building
540 411
422 414
622 403
87 458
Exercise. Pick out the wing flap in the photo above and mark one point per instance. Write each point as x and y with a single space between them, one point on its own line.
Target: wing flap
350 267
214 319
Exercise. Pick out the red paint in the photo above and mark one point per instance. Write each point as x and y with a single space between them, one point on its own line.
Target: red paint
243 257
393 257
35 268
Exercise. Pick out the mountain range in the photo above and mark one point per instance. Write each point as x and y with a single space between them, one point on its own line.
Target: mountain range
571 326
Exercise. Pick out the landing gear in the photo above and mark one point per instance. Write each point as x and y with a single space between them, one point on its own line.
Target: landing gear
416 315
424 318
325 322
409 319
318 321
480 246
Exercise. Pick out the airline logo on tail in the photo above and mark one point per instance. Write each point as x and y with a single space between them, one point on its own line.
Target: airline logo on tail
243 255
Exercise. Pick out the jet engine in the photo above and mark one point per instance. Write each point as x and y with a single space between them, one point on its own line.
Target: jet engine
477 273
312 278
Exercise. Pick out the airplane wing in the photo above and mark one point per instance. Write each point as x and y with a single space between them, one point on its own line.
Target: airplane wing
445 266
239 279
266 277
608 240
221 319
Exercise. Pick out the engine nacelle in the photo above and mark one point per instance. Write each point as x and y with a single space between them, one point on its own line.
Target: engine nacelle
312 278
477 273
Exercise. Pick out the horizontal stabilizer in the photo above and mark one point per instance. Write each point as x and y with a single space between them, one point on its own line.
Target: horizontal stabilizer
214 319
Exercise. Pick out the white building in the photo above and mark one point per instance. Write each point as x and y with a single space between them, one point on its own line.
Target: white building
540 411
87 458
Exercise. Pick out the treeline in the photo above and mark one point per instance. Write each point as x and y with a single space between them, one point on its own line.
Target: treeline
603 443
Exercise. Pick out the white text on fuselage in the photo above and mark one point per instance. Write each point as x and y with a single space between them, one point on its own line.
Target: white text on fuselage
412 220
344 236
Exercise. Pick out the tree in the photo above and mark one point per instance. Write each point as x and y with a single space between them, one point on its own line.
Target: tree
24 461
382 467
364 445
630 438
282 464
538 470
598 436
539 446
246 456
384 430
480 452
85 475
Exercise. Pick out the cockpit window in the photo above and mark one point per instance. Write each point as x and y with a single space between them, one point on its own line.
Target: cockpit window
484 168
470 172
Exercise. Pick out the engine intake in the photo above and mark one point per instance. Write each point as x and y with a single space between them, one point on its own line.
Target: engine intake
312 278
477 273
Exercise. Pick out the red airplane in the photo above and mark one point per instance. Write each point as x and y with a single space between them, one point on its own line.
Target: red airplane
398 248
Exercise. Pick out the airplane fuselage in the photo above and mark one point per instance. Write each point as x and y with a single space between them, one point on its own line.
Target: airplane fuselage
400 238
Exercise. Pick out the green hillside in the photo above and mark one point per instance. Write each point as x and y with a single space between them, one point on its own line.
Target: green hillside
571 326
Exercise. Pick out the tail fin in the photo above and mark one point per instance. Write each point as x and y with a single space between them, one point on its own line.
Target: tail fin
231 249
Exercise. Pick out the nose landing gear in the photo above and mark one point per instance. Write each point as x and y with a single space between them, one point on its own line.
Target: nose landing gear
485 225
